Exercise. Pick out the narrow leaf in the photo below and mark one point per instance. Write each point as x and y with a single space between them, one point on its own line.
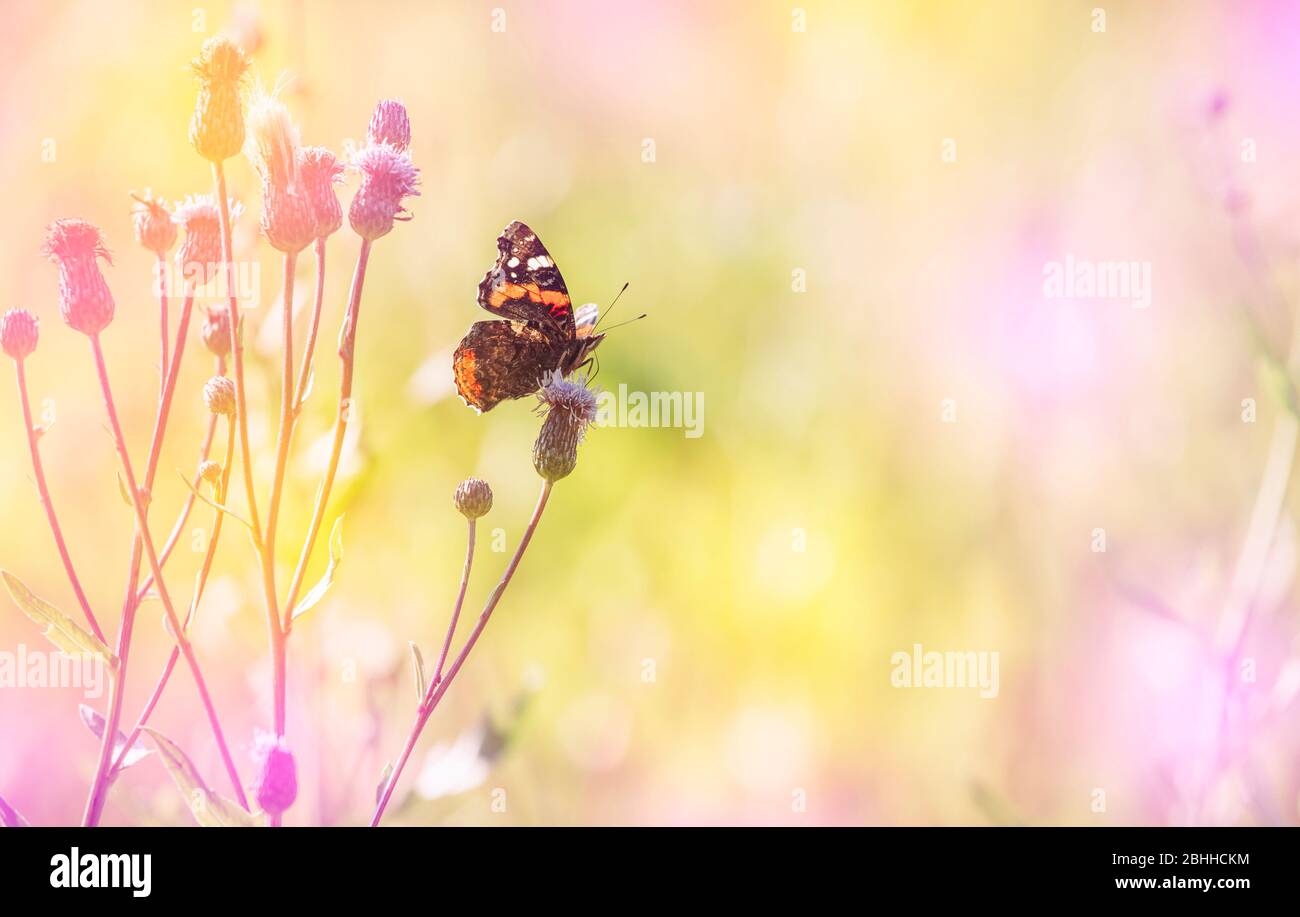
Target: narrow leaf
58 628
95 723
312 598
123 492
421 680
210 809
383 781
220 507
11 817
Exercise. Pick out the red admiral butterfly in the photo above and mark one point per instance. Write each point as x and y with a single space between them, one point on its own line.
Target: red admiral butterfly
498 360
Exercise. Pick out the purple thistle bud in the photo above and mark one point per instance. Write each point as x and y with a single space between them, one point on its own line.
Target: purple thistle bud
200 256
389 124
154 228
387 177
276 785
569 408
216 331
19 331
85 302
219 395
473 498
318 172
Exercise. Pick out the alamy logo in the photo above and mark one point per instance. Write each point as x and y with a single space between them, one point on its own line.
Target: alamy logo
1076 278
105 870
951 669
683 410
29 668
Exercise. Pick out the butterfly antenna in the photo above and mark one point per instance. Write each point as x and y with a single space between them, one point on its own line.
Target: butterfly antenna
628 322
611 306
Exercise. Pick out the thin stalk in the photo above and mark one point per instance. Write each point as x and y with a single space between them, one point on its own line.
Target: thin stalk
237 351
142 524
38 470
460 600
304 371
437 688
162 319
200 583
347 354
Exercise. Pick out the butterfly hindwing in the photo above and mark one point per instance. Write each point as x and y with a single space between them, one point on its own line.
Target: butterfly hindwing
500 360
525 283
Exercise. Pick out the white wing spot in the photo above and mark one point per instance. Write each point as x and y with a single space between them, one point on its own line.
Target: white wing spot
513 262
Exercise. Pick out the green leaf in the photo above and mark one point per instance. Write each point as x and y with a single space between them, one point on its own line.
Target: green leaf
59 629
312 598
421 680
123 492
210 809
11 817
95 723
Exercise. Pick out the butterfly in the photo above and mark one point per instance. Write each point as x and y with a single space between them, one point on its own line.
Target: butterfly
538 332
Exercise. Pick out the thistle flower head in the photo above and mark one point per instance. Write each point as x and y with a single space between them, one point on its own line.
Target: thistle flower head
276 785
219 395
19 330
318 172
473 498
154 228
85 302
569 408
272 144
387 177
389 124
216 331
217 126
200 254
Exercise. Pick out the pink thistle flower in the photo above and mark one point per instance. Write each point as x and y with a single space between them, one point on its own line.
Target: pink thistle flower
85 302
569 408
389 124
387 177
154 228
318 172
287 218
200 254
276 785
19 331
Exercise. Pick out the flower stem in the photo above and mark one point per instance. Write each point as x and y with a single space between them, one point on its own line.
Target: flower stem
162 318
38 470
304 371
437 688
347 348
460 600
200 584
142 526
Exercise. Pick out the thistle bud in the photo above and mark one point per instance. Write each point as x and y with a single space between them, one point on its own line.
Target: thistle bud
85 301
276 785
272 147
318 172
387 178
389 124
210 471
217 127
569 408
200 255
473 498
154 227
216 331
19 330
219 395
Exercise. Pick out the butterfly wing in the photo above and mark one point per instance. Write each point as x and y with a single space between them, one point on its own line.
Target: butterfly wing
525 284
497 361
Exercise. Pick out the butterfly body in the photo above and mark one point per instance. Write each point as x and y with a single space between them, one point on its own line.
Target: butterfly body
537 332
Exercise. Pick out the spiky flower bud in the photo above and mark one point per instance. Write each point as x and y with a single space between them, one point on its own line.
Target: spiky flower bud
199 256
19 330
276 785
569 408
154 227
318 172
272 147
210 471
219 395
389 124
473 498
387 178
85 301
217 127
216 331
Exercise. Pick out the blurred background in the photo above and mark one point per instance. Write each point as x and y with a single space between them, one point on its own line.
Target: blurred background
839 217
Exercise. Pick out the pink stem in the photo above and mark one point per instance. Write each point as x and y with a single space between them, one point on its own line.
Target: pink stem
437 689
